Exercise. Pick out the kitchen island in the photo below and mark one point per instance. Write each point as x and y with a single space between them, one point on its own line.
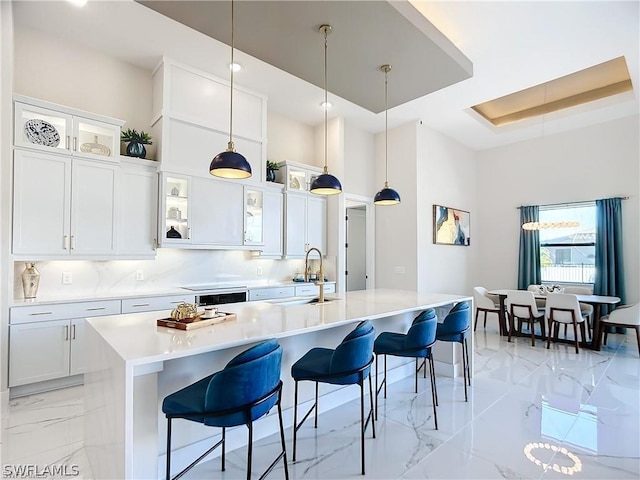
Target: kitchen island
133 365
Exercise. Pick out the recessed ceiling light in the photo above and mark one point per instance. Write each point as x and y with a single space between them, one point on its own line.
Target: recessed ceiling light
236 67
593 83
78 3
326 104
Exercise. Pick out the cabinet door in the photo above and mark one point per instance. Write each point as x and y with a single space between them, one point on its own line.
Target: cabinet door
254 217
42 129
174 212
95 139
137 211
78 360
38 352
41 203
317 223
272 214
93 201
217 212
295 226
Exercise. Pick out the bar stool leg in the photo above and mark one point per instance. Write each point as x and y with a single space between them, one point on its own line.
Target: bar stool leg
282 441
362 424
249 450
464 373
224 448
315 425
295 419
373 423
434 395
168 472
376 387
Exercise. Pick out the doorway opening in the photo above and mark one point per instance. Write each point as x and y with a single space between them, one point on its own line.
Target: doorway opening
356 248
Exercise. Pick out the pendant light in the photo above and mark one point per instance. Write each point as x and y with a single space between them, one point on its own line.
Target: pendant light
230 164
386 196
325 184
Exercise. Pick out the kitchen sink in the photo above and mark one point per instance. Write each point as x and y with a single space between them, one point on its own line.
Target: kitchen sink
300 301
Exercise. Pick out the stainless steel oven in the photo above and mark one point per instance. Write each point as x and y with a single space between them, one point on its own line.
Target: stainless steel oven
213 295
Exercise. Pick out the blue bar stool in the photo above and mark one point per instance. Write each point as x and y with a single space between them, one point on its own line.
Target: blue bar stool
348 364
417 342
245 390
455 328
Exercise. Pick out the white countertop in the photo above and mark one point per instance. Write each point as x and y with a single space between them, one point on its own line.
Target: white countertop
111 295
138 341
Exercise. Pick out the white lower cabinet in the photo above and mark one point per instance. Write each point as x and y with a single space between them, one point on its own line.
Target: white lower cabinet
150 304
268 293
46 342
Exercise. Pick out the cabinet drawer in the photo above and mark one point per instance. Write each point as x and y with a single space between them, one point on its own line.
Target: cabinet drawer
329 288
42 313
272 292
303 290
150 304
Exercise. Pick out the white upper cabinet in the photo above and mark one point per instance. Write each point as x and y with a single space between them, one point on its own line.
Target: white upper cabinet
191 108
217 213
63 206
273 225
305 224
43 126
138 206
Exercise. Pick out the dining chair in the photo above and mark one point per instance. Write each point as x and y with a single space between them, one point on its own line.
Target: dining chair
485 303
455 328
349 364
563 308
416 343
585 308
626 316
242 392
521 306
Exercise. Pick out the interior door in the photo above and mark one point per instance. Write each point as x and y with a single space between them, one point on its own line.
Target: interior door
356 249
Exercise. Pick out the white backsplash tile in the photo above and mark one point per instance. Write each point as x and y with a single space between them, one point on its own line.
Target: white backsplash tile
171 269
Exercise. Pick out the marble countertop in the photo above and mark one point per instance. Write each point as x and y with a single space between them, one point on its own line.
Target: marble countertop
114 295
138 341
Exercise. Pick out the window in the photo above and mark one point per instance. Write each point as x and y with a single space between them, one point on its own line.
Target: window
567 255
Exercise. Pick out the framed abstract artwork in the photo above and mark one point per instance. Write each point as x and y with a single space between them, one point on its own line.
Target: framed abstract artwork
451 226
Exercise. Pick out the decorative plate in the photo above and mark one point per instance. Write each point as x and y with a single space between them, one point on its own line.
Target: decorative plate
41 133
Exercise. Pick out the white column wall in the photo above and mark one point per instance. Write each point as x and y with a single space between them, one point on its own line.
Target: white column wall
446 174
396 226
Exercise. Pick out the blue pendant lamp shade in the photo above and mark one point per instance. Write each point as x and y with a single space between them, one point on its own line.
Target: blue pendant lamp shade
325 184
230 164
386 196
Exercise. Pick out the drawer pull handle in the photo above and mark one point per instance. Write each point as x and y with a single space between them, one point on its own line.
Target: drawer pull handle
179 301
73 332
95 309
40 313
140 305
66 332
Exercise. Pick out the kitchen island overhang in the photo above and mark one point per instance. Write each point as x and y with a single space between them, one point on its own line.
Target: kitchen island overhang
133 364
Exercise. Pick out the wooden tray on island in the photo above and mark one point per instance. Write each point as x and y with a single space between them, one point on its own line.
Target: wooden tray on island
195 322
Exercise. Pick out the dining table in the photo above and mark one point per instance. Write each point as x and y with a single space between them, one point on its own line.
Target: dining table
595 300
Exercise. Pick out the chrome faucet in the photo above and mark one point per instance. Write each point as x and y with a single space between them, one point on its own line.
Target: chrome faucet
320 281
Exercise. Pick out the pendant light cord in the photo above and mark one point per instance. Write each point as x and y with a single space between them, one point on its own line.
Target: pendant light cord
386 130
230 146
326 104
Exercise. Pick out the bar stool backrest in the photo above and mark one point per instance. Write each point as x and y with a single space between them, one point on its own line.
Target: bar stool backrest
355 351
422 332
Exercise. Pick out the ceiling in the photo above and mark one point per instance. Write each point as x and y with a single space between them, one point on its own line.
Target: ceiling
513 45
364 36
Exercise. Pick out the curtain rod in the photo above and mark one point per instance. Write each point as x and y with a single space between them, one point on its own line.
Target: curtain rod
570 203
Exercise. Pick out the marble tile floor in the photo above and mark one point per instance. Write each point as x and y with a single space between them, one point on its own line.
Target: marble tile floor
532 414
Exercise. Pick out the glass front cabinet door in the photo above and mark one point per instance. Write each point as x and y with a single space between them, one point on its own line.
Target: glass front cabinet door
253 221
176 210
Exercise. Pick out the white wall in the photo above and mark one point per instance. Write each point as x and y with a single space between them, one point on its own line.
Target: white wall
70 74
595 162
446 175
359 161
396 226
290 140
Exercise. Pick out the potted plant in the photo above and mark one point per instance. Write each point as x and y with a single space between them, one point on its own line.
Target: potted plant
137 141
271 170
